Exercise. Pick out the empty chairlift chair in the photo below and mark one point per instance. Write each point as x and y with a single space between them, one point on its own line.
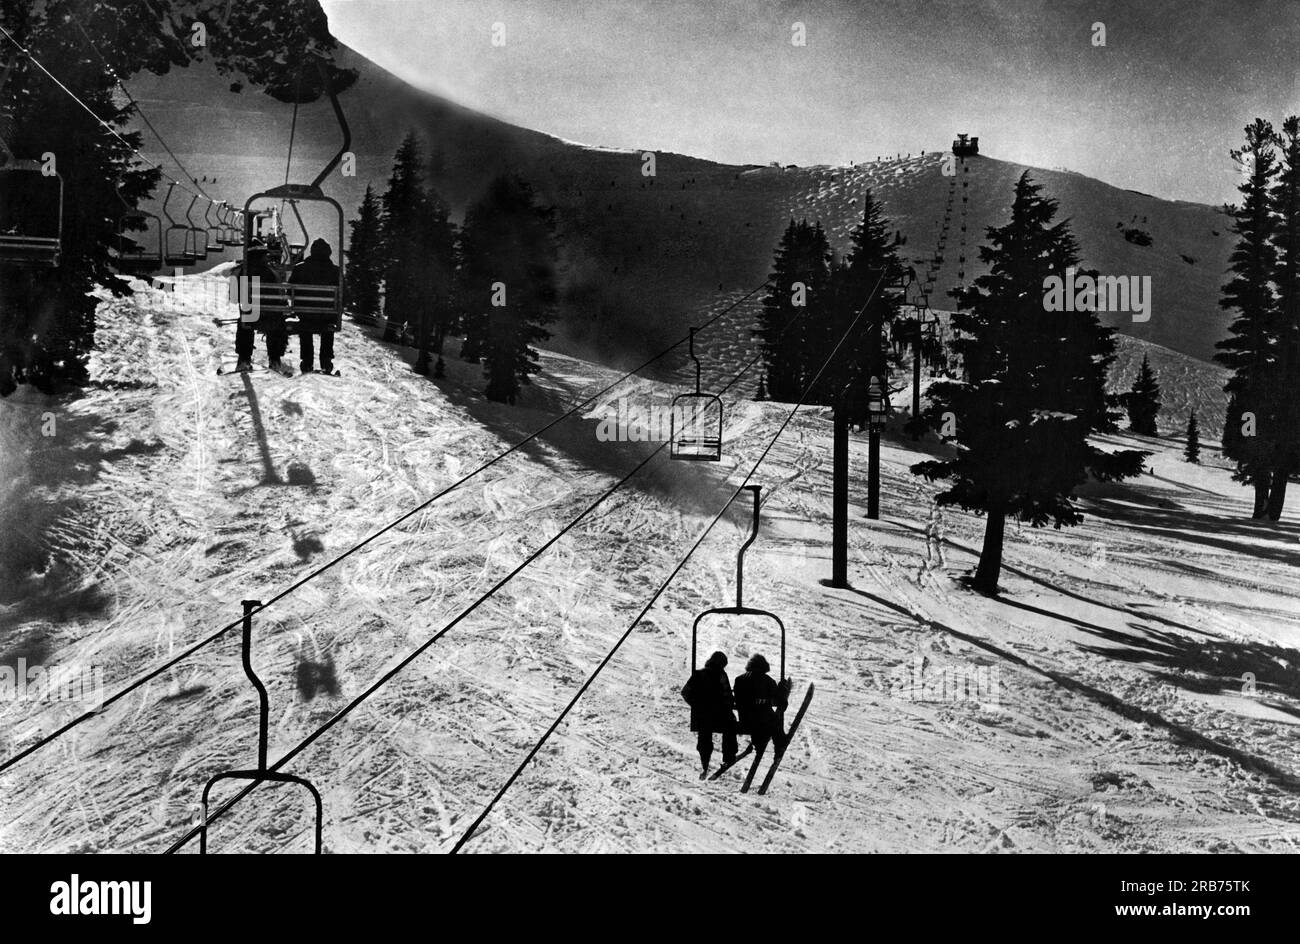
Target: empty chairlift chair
139 252
696 421
199 238
178 239
31 212
233 226
213 230
262 773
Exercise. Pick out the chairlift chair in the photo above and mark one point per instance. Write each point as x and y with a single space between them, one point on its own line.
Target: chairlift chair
213 230
740 609
199 234
696 421
134 257
234 226
299 307
31 213
262 773
176 253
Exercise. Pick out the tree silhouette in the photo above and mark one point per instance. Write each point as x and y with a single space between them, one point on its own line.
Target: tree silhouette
1034 387
365 269
1192 451
507 283
1143 401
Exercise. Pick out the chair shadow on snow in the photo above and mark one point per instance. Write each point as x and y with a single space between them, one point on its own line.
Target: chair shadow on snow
298 473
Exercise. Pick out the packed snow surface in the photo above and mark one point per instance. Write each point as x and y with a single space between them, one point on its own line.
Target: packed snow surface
1135 688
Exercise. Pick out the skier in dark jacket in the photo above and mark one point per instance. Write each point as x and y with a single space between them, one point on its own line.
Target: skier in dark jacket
708 692
277 338
761 701
316 269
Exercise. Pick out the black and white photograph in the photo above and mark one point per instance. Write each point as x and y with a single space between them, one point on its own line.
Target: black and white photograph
651 427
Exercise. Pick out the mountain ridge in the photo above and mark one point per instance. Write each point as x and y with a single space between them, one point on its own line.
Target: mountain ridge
642 254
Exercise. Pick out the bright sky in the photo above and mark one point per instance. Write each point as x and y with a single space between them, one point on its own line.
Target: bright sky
1155 109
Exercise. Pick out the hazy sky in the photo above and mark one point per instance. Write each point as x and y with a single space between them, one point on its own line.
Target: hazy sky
1156 109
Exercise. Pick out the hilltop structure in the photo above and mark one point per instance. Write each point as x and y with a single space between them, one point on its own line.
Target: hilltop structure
965 146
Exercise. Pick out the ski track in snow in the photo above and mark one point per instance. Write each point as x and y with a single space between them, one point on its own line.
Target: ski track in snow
1120 722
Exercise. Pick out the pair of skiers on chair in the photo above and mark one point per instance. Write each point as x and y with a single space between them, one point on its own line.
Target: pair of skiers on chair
758 698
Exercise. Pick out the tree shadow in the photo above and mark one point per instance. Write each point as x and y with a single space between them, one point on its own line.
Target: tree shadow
1180 733
1057 588
1209 530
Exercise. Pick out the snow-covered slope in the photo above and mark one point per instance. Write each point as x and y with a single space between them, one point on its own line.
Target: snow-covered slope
1109 710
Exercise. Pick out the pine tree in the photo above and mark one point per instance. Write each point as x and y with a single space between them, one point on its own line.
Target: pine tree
871 271
365 270
794 308
1192 451
1250 427
1286 377
419 255
405 205
1143 401
1034 387
507 283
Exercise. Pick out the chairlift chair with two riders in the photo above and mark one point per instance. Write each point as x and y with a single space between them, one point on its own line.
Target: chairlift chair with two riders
298 307
696 421
740 609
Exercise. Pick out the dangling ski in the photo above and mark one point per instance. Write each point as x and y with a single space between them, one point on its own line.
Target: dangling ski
753 769
725 767
789 736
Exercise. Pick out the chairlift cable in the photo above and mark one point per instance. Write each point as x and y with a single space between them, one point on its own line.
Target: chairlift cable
468 834
412 656
217 634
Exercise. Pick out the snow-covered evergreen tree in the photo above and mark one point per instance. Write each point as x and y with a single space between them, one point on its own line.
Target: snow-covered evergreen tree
1033 388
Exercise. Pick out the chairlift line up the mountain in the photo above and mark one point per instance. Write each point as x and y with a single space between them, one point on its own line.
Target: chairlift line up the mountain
696 421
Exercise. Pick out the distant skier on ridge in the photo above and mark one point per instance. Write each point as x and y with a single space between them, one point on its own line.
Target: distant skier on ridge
708 692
